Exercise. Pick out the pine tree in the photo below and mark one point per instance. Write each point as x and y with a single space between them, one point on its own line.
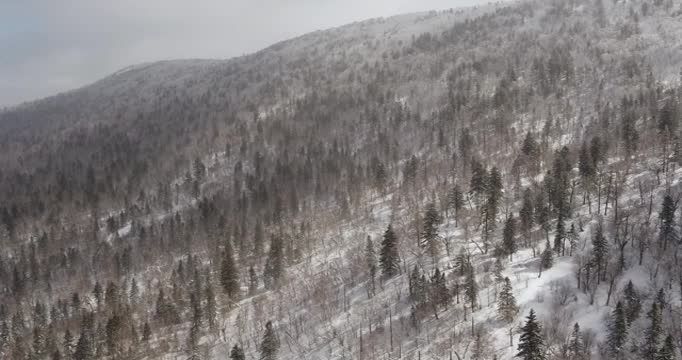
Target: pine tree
253 281
599 252
530 146
661 299
479 180
429 234
506 303
388 257
629 132
633 304
97 292
274 266
526 215
438 291
585 164
146 332
113 330
371 260
667 216
456 201
85 348
471 288
653 333
270 344
667 351
490 208
508 237
560 236
531 344
211 307
237 353
68 344
618 331
497 271
576 348
229 275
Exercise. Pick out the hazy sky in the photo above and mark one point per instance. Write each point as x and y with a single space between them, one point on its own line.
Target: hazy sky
50 46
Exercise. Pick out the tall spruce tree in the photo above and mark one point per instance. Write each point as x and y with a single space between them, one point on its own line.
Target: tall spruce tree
633 304
456 202
667 231
667 351
388 256
430 237
270 344
531 344
237 353
509 237
599 252
618 332
229 274
274 266
371 260
471 288
506 303
652 334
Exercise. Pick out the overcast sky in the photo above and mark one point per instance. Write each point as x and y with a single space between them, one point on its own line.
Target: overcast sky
50 46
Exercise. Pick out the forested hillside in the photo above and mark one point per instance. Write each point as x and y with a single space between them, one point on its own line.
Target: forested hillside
481 183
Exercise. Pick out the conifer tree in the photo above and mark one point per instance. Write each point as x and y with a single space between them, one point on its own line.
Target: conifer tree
388 257
479 180
371 260
667 216
85 348
490 208
456 201
618 331
270 344
508 237
667 351
531 344
661 299
599 252
653 333
560 236
68 344
211 307
146 332
237 353
497 271
253 281
274 266
229 275
438 291
506 303
633 305
471 288
429 234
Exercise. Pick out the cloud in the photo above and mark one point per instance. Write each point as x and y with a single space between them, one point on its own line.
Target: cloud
55 46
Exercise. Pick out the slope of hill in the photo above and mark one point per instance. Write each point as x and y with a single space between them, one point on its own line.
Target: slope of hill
384 189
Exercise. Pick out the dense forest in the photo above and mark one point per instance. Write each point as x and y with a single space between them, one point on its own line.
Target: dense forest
485 183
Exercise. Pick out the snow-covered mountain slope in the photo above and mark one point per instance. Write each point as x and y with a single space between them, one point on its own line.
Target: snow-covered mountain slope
186 209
